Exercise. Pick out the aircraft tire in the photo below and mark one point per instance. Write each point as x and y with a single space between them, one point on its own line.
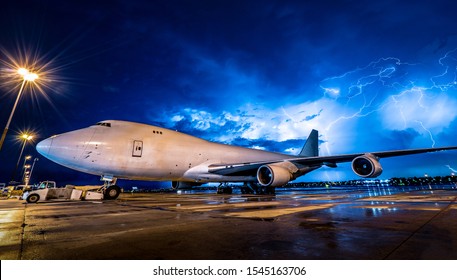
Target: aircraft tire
112 192
33 198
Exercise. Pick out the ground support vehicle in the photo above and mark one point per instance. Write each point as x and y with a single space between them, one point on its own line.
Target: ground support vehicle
14 191
48 190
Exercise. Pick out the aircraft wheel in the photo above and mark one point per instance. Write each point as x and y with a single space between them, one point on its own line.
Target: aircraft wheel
112 192
33 198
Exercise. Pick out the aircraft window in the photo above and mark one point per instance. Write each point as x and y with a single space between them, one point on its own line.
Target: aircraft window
104 124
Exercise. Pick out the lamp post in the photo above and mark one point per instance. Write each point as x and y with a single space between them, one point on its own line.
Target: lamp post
25 173
27 77
24 166
27 179
26 137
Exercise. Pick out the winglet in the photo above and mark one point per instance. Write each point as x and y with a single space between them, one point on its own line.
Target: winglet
311 147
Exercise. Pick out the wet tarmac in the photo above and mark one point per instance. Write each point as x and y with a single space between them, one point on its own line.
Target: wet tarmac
345 223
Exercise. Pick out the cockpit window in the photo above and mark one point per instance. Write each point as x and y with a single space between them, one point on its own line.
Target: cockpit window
104 124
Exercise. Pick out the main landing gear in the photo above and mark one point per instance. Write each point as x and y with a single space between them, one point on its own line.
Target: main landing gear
224 188
255 188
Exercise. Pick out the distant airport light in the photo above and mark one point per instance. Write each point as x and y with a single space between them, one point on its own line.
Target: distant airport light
29 175
26 137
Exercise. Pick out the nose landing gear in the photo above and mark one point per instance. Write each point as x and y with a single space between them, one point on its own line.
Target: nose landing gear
110 190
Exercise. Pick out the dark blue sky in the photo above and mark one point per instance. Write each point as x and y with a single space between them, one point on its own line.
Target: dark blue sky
369 75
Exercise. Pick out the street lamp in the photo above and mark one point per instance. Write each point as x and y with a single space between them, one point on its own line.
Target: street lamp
26 171
26 158
27 179
27 76
26 137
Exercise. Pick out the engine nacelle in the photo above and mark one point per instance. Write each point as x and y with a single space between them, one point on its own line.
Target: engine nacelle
273 175
367 166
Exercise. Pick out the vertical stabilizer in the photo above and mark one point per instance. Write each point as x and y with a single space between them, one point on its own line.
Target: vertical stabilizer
311 147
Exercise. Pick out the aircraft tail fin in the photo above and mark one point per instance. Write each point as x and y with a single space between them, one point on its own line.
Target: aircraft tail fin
311 147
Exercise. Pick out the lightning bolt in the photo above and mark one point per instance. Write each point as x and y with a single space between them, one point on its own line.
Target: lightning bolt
428 131
364 88
354 92
287 114
446 73
450 168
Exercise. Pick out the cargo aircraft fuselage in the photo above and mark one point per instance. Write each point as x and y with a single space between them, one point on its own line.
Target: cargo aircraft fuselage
127 150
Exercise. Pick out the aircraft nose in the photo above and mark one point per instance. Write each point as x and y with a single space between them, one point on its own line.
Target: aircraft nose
66 148
43 147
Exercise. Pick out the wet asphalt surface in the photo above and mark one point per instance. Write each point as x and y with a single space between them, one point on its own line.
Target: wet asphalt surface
342 223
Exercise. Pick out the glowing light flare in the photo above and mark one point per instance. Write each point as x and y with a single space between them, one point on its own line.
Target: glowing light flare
25 68
27 75
16 68
27 137
22 71
31 77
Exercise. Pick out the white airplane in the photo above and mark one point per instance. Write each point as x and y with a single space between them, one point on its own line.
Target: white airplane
126 150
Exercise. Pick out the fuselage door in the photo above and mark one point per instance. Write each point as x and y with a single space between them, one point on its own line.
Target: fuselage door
137 148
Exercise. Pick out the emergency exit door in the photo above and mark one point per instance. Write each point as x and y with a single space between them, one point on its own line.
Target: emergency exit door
137 148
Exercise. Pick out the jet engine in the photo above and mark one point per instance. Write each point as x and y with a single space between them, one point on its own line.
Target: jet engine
273 175
367 166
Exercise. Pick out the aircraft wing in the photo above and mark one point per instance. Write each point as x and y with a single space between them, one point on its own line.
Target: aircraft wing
232 169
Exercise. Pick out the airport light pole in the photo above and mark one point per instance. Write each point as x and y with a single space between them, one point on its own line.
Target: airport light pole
27 76
27 179
26 172
26 158
26 137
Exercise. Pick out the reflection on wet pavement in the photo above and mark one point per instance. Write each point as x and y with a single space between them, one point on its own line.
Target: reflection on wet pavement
338 223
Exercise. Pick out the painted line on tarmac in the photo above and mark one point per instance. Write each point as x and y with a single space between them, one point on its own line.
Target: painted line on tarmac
274 213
